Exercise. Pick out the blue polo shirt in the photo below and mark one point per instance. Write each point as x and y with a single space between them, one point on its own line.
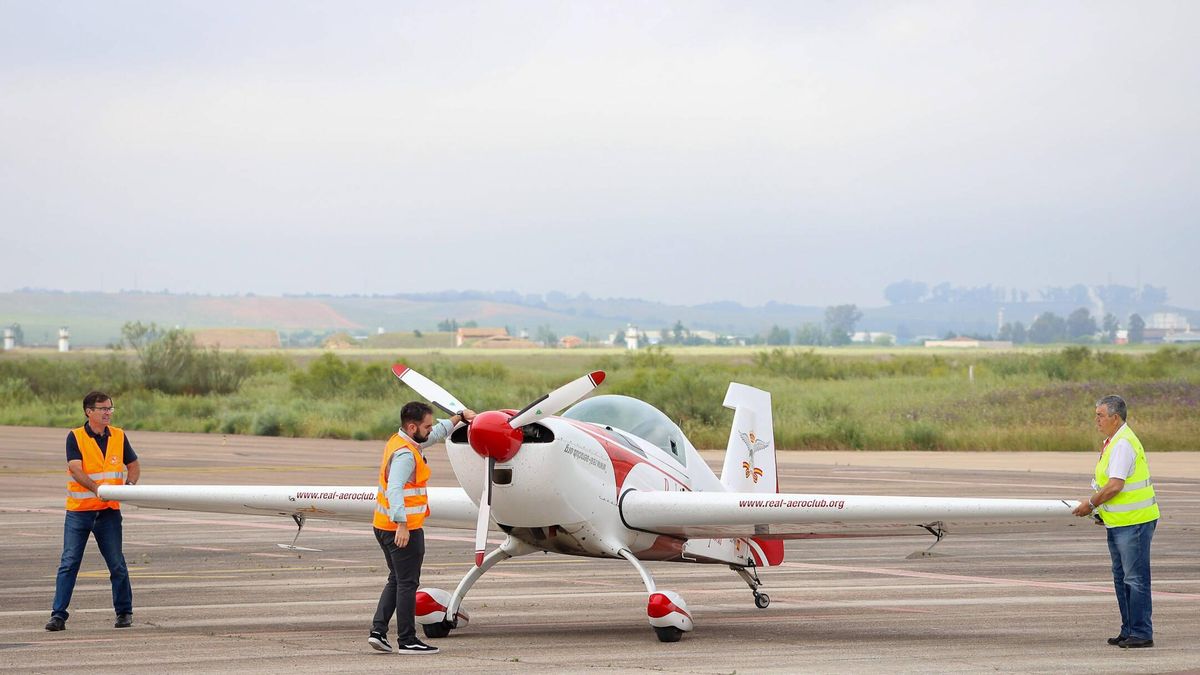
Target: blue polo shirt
73 451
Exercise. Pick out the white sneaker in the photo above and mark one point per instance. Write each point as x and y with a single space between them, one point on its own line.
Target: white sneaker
379 642
416 647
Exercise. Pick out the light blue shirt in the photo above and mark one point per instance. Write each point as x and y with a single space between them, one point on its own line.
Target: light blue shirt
404 465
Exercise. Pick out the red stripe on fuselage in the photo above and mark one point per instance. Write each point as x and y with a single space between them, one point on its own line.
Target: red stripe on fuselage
623 459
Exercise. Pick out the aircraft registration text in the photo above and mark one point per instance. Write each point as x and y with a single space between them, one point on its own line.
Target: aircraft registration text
793 503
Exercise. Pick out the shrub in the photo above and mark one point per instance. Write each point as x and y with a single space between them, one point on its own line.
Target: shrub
849 432
609 363
275 421
922 436
236 423
384 425
325 377
269 363
69 379
336 431
330 377
194 407
651 357
800 365
826 409
173 364
685 395
14 390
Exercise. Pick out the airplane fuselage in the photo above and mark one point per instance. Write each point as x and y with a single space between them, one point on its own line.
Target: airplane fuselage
562 491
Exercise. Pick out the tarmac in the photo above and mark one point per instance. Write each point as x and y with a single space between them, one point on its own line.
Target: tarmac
213 593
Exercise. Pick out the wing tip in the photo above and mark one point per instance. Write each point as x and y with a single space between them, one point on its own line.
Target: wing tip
399 369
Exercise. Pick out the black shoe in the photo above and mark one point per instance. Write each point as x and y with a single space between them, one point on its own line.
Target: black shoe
415 646
1116 641
55 623
379 642
1136 643
123 621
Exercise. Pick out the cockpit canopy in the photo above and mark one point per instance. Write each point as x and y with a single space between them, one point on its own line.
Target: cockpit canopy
637 417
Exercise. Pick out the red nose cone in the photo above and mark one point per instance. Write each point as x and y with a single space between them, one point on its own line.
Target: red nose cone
491 436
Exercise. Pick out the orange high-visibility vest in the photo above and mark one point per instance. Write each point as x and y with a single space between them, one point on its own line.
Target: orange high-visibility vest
416 499
106 468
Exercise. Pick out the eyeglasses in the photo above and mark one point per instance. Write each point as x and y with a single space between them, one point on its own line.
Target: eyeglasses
104 410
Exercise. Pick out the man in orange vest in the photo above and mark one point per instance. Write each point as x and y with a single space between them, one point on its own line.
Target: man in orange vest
401 504
97 454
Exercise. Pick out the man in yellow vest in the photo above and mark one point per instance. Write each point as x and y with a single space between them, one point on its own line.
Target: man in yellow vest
97 454
401 504
1123 496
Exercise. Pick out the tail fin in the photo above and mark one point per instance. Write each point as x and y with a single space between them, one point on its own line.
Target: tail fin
750 453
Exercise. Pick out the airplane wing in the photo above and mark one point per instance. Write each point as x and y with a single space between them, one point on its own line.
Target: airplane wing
448 506
715 515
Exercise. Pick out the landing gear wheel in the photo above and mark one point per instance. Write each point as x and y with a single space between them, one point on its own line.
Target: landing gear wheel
440 629
761 600
668 633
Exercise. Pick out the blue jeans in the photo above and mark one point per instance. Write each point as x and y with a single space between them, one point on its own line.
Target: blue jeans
1129 548
105 525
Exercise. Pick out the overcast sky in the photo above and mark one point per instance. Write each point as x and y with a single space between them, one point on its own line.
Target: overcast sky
686 152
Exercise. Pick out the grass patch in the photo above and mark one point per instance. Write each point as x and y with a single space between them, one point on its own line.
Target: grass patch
900 399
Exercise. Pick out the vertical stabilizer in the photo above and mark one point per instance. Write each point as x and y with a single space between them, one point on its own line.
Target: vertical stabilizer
750 453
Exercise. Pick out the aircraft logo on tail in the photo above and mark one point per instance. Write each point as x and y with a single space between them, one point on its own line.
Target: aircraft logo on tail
755 474
753 445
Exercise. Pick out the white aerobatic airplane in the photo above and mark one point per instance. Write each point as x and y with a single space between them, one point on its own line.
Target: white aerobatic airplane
612 477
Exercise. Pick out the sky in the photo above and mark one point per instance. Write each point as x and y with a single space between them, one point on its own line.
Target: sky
683 152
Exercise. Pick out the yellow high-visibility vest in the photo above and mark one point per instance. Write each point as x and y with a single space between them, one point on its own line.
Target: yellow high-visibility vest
1135 503
416 497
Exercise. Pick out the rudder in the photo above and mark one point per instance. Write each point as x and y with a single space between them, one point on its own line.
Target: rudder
750 453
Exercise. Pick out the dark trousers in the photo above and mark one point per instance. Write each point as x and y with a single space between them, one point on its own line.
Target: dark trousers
399 595
105 526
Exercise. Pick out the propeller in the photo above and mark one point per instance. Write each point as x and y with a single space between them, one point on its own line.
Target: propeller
496 435
426 387
557 399
485 512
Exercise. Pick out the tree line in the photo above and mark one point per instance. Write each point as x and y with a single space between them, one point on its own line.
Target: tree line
908 291
1078 326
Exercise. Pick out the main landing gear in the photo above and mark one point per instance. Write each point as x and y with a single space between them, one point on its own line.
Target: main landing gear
439 612
761 600
666 610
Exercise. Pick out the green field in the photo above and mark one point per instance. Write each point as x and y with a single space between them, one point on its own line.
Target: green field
851 398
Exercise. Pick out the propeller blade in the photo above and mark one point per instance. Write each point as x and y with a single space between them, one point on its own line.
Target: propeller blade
485 512
557 400
429 389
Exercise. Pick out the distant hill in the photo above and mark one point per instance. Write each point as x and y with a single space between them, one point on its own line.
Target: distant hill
95 319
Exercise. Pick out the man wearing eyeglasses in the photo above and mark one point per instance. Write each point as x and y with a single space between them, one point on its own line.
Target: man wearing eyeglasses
1123 496
97 454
